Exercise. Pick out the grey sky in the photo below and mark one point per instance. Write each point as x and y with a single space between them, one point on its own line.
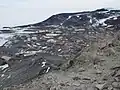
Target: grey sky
18 12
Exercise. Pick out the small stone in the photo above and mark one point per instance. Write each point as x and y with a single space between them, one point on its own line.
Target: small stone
99 86
81 70
76 78
116 84
2 61
86 78
98 72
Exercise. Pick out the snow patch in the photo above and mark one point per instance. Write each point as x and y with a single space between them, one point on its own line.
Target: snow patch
7 58
43 64
59 50
68 17
5 38
102 21
47 69
115 18
51 40
90 21
4 66
52 35
2 75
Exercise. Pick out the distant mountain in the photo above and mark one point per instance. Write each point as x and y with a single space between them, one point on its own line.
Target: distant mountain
100 17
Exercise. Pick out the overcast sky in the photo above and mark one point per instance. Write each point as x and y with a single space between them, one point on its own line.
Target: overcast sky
19 12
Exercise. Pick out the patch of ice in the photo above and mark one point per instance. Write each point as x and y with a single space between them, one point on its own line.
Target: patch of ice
65 20
43 64
4 66
68 17
77 30
2 42
29 53
28 39
6 58
78 16
109 26
6 36
29 45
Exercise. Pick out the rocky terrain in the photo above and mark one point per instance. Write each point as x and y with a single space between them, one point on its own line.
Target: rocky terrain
68 51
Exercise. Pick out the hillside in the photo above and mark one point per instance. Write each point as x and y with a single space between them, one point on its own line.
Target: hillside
68 51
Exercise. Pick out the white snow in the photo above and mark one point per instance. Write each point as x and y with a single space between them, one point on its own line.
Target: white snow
34 38
51 40
115 18
21 31
48 69
68 17
102 21
2 75
43 64
4 66
90 20
59 50
52 35
2 42
4 38
6 58
44 47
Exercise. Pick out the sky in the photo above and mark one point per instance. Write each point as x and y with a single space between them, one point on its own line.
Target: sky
21 12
